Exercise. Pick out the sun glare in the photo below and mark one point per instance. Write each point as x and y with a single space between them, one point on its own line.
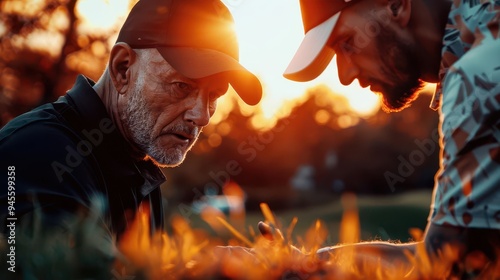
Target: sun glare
269 32
101 15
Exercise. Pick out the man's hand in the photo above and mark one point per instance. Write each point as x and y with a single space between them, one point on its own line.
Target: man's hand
269 232
274 235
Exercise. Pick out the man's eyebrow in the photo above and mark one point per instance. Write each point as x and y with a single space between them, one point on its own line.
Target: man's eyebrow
336 39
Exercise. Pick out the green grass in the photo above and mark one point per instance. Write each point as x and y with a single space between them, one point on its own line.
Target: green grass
85 252
381 217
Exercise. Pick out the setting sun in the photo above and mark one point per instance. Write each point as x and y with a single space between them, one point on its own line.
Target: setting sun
269 33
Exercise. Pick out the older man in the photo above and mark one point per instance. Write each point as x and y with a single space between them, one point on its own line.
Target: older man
105 141
394 46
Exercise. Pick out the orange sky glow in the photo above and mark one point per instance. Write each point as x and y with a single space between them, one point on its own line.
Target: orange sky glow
269 32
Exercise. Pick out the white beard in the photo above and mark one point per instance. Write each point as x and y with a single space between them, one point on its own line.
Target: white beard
138 120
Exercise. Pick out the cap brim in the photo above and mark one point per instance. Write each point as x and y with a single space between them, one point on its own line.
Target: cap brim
313 54
197 63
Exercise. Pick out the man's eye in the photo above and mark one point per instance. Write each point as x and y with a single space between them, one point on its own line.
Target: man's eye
346 47
183 86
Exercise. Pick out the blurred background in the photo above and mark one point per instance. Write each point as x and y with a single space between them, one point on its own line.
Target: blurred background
304 146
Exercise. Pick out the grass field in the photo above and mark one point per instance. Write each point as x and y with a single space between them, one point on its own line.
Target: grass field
380 217
86 252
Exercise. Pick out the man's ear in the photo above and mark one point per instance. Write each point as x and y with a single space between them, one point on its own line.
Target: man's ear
121 58
400 10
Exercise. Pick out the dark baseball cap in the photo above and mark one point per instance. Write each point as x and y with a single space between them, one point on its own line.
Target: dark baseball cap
319 18
196 37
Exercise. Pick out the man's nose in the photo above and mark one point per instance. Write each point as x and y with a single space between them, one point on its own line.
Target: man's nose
199 112
347 70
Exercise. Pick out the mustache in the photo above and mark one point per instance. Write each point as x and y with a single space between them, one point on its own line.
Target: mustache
181 129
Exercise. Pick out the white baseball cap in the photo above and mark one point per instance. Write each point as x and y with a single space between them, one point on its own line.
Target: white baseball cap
319 18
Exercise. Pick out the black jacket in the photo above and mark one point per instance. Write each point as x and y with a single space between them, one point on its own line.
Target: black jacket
67 152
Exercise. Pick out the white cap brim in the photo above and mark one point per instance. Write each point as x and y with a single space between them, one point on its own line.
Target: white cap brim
313 54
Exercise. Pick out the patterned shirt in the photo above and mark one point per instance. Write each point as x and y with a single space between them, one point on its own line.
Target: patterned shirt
467 191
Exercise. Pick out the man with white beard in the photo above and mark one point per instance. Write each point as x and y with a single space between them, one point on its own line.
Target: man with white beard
106 140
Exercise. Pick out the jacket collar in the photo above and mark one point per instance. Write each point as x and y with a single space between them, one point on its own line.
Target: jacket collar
113 147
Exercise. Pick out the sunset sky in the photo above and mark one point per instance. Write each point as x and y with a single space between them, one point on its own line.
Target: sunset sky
269 32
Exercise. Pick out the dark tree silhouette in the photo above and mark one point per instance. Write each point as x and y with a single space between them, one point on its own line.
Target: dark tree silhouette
33 72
